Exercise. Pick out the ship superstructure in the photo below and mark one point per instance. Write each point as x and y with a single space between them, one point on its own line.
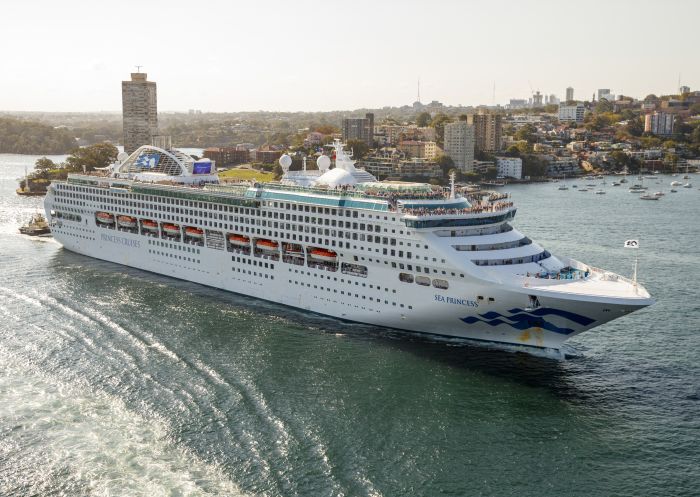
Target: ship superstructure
408 256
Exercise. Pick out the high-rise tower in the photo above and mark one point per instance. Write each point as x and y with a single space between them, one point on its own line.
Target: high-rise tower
569 94
139 111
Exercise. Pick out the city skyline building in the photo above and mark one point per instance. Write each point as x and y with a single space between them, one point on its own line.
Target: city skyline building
572 113
459 145
569 94
139 111
359 128
487 131
659 123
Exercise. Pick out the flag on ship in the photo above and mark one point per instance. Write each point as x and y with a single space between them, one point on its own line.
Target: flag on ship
632 244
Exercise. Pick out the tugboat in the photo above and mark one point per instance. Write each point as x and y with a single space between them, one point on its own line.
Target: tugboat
37 226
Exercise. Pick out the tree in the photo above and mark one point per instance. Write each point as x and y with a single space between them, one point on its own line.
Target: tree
326 129
423 119
527 133
92 157
695 109
620 159
533 166
438 123
512 151
359 148
635 127
445 162
44 164
603 105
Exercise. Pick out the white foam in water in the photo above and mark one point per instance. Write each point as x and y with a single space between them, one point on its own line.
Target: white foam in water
87 442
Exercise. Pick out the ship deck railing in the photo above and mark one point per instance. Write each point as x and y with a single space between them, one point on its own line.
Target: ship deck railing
476 209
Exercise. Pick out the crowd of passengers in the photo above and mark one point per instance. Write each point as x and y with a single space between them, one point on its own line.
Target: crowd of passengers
475 209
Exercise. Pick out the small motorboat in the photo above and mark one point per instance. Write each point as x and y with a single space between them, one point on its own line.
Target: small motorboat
649 197
687 185
37 226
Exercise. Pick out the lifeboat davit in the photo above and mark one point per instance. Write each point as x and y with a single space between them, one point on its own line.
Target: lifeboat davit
323 255
193 232
239 240
293 250
105 217
171 229
267 245
149 225
126 221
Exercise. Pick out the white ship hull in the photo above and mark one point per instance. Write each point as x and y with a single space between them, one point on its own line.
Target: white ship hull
457 312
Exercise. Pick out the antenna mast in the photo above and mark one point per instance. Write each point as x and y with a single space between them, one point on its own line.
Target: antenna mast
418 89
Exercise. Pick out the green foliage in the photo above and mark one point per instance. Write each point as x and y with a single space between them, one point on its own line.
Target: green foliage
94 156
445 162
326 129
28 137
603 106
359 148
635 127
533 166
512 151
620 159
438 123
527 133
423 119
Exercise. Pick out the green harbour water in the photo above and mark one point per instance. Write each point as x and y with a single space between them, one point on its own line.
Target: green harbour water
116 382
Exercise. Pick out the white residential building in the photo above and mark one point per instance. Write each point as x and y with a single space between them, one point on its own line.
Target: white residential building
573 113
459 145
509 167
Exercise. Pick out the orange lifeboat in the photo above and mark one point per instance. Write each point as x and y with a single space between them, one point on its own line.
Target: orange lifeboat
267 245
149 225
126 221
171 229
239 240
105 217
323 255
193 232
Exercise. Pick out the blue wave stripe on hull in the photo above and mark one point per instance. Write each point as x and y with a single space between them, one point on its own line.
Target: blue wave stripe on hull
522 320
546 311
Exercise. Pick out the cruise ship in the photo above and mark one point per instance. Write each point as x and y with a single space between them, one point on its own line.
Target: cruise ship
335 241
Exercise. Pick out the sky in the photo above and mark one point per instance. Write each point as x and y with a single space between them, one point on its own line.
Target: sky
307 55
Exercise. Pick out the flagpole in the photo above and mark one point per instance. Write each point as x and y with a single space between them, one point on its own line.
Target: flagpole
636 263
